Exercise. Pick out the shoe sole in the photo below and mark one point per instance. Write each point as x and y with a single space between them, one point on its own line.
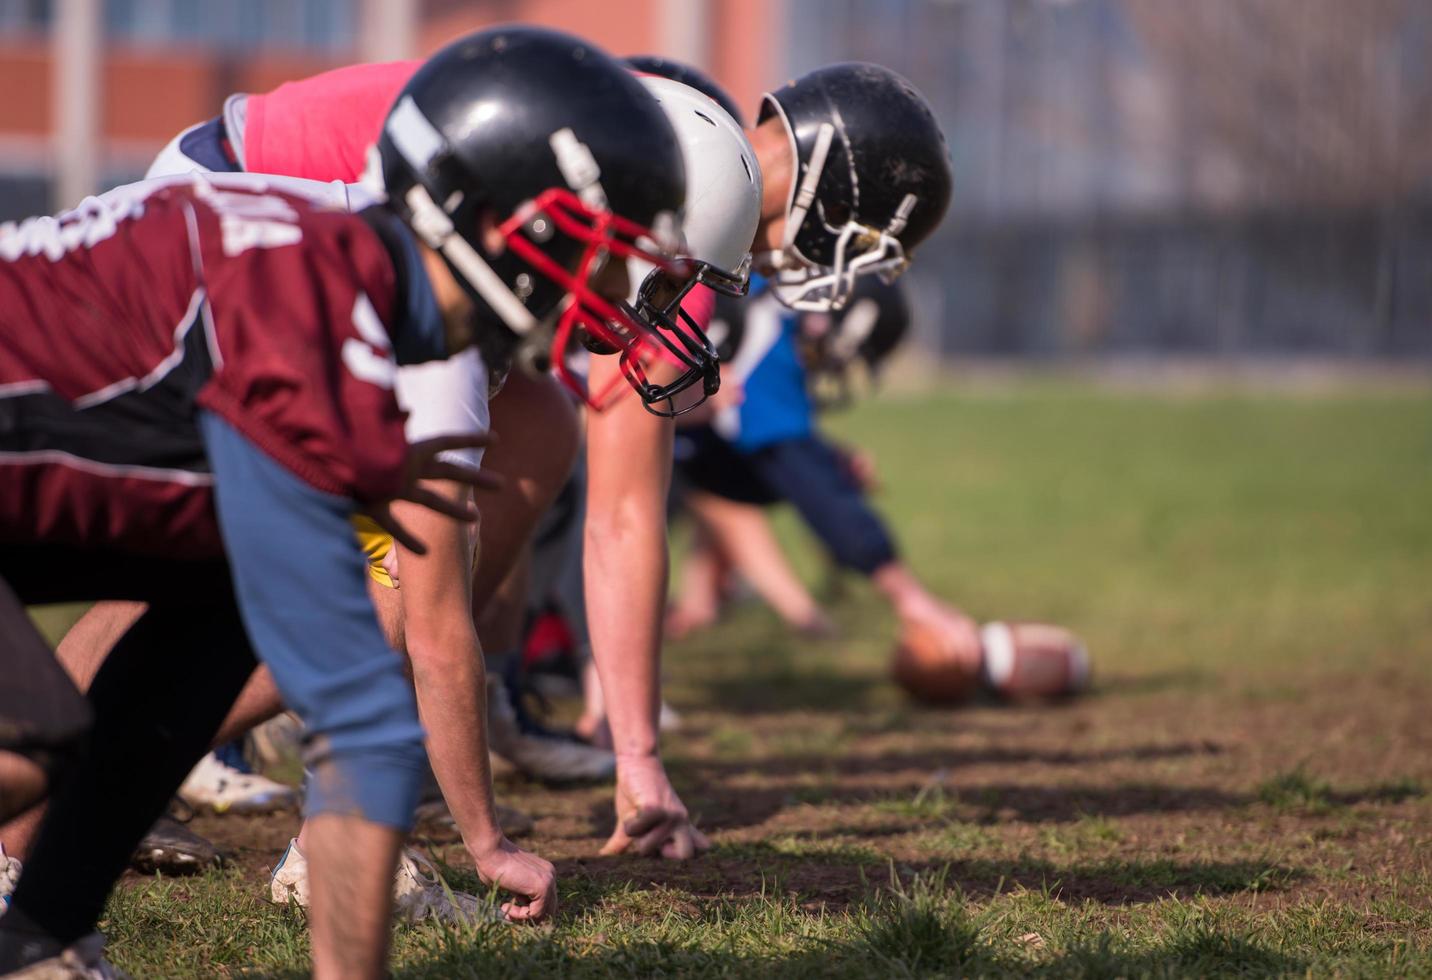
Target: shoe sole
163 862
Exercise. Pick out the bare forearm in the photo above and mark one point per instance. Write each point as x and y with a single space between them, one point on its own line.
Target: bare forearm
448 674
628 472
625 571
451 685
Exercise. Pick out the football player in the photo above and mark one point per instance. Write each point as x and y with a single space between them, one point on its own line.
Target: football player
856 175
727 495
198 390
718 229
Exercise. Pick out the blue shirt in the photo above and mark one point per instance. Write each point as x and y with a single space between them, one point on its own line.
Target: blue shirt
777 406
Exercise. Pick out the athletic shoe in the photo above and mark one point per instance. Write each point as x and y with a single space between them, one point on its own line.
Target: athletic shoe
276 741
535 752
82 960
213 785
174 849
288 885
419 893
9 878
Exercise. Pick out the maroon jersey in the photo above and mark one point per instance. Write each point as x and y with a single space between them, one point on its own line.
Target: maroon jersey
120 320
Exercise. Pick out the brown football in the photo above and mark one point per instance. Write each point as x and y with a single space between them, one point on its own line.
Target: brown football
1024 661
929 671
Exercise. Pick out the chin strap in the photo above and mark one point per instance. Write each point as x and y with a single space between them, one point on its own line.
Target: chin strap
805 196
420 143
822 289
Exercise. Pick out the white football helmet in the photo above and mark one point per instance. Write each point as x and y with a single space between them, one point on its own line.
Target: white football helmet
723 207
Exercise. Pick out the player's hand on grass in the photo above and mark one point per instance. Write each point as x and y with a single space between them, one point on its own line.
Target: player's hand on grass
423 464
525 875
651 819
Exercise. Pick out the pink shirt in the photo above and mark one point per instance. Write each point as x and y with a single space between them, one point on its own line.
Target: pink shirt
320 128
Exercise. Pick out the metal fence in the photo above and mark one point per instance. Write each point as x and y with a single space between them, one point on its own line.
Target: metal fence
1217 178
1352 283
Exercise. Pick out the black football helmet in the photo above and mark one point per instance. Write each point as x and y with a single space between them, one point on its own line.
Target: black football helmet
873 179
679 71
865 332
572 159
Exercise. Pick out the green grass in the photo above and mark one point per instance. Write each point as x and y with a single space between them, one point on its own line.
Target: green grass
924 927
1242 794
1188 532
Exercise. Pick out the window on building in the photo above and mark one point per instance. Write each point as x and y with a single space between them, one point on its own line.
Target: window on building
321 25
25 16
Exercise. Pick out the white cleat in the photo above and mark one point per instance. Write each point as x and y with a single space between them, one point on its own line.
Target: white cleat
546 757
9 878
419 893
212 785
81 960
288 885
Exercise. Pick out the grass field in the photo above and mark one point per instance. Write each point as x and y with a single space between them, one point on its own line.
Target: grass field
1245 792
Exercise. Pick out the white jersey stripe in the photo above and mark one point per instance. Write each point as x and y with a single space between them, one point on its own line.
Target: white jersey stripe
41 457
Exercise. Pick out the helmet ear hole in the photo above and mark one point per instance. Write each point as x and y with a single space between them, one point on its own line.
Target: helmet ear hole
834 213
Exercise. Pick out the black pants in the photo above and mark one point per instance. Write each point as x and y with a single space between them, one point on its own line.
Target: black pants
806 473
42 716
157 703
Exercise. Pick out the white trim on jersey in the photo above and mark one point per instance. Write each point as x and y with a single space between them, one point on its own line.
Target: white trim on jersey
444 398
70 460
441 397
160 371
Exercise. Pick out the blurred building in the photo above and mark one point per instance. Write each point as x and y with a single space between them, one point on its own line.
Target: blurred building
1220 178
149 68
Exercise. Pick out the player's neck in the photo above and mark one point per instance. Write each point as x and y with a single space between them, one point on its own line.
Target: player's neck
773 153
454 304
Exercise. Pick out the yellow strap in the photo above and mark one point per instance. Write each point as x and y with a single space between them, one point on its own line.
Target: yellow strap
376 543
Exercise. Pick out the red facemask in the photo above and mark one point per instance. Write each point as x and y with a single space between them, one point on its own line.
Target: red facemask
605 237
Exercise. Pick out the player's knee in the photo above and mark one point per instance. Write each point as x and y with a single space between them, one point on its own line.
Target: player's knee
864 549
379 783
364 751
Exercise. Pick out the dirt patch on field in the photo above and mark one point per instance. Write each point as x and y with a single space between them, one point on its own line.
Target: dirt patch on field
1262 793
